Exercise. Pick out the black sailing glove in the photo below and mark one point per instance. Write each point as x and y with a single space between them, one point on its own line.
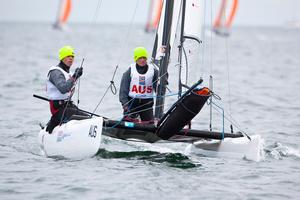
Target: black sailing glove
78 72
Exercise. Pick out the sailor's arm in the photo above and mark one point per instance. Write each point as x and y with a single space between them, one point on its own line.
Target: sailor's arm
155 79
124 87
57 78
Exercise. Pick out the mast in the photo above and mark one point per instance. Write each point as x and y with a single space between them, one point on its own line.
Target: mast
163 64
181 47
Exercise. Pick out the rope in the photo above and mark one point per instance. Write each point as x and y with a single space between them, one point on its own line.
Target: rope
228 78
130 101
111 86
112 83
91 25
128 33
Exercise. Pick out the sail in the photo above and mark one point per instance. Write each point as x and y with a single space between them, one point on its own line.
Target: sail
194 19
192 43
63 13
169 27
154 12
225 17
179 32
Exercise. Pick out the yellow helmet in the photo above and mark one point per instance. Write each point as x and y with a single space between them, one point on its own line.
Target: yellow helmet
66 51
139 52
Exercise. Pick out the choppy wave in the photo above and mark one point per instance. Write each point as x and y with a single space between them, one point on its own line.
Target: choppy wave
280 151
177 160
264 95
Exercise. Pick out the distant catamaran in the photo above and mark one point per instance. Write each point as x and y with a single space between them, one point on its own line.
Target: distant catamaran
223 22
63 13
154 13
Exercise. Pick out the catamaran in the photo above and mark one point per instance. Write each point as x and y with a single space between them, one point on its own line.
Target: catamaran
179 32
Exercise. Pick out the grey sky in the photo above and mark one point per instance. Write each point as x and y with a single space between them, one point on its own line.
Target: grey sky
250 12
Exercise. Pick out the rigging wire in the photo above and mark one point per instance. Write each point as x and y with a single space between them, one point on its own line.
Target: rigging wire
211 65
228 71
92 23
228 81
128 33
78 89
112 86
231 120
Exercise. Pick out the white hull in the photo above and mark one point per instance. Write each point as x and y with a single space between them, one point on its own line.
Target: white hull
79 139
76 139
233 147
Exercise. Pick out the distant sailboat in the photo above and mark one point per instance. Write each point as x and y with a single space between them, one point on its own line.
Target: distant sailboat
63 13
154 13
223 23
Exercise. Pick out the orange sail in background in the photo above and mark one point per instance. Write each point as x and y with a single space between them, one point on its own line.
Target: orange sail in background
63 13
154 13
222 23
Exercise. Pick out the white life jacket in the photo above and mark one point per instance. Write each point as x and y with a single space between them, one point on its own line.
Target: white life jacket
141 85
52 92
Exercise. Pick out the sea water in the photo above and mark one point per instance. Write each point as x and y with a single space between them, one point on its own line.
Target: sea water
262 74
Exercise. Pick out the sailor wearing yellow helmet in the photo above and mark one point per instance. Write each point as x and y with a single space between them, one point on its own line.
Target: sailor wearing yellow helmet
137 87
60 87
